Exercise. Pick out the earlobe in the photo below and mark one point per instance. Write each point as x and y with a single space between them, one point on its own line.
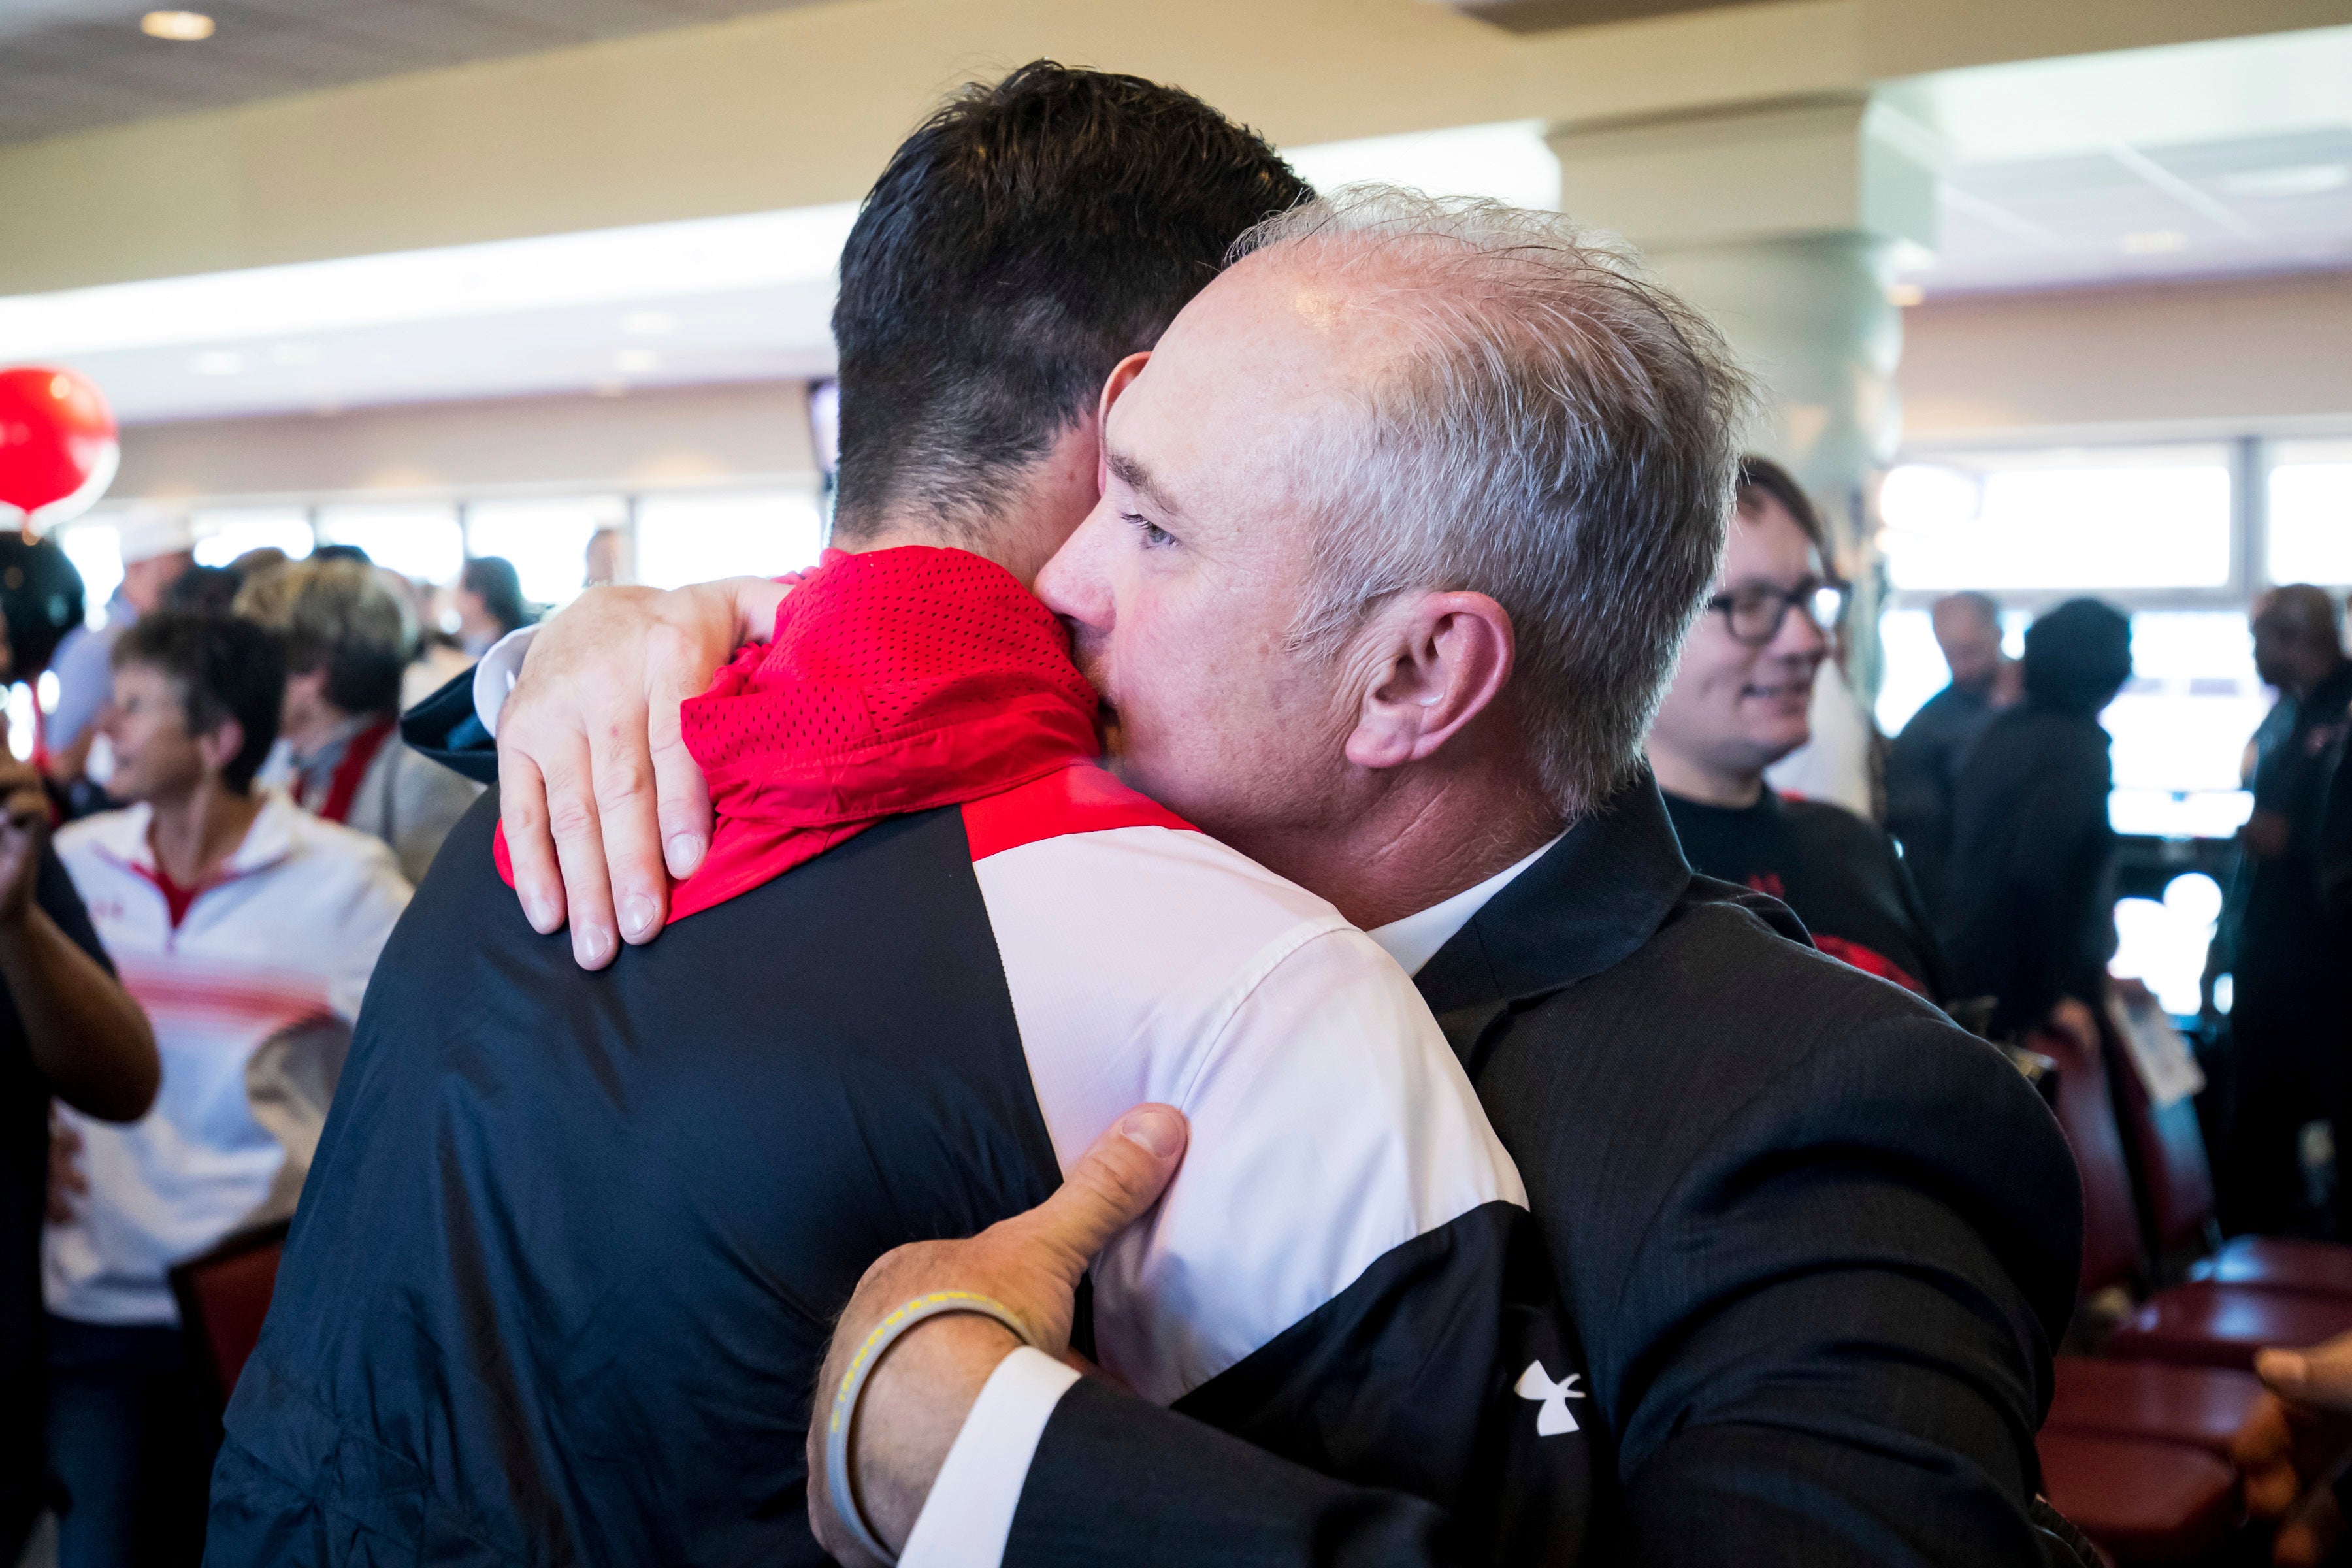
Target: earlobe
1446 658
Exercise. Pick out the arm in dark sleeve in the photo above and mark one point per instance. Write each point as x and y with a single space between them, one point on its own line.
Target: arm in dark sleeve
55 893
2333 843
1117 1478
1837 1329
1918 782
446 728
1398 1423
2057 865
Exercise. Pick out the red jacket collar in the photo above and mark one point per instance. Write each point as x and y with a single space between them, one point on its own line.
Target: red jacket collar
897 680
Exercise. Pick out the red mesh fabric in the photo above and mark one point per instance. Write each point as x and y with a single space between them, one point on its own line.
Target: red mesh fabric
897 680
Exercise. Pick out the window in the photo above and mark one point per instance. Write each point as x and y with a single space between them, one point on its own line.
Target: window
2311 512
95 548
2181 727
415 539
2114 518
693 538
547 539
224 533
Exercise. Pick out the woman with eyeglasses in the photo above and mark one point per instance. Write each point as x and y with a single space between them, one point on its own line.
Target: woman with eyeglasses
1739 704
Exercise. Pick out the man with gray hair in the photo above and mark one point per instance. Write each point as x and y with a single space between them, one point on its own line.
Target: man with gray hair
1925 760
1402 524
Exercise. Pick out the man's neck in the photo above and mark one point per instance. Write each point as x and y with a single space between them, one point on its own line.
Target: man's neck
1419 845
2316 677
1687 778
193 835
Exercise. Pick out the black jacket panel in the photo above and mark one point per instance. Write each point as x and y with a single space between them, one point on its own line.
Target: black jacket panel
573 1243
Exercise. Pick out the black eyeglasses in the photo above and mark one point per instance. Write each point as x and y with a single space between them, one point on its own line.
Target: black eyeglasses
1756 611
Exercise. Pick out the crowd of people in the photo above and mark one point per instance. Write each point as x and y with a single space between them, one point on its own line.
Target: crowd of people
238 828
1250 858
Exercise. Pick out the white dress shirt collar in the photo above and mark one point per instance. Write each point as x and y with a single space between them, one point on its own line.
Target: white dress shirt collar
1415 940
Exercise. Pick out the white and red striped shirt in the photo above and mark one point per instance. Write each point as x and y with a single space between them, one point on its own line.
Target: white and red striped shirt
251 982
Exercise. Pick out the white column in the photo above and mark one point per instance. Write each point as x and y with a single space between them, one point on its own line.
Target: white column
1785 223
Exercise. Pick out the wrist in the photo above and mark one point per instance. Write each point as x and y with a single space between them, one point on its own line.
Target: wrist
914 1405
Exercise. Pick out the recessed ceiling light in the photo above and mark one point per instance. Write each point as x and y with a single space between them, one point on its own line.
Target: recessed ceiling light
2294 180
1903 295
180 27
2154 242
636 362
647 324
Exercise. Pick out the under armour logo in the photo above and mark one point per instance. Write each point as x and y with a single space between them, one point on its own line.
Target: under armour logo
1537 1384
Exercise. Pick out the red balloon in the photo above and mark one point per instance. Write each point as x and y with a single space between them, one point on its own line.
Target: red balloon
57 445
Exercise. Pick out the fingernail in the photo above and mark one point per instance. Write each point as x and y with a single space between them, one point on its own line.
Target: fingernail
636 914
2285 1365
541 913
591 944
685 854
1158 1133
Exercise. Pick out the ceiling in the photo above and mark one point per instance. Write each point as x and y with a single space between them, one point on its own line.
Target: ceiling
2197 160
2201 160
70 65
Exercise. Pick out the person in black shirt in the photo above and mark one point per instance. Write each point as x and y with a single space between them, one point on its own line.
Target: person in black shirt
2287 1020
1924 763
2033 855
1739 704
66 1028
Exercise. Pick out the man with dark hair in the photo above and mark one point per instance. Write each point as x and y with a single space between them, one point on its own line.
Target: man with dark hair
348 637
2286 947
1924 763
932 952
2033 870
246 929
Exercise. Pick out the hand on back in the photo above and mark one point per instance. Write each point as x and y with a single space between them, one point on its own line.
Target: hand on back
600 801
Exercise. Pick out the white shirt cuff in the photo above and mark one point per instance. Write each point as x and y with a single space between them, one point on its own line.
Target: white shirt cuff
966 1519
495 674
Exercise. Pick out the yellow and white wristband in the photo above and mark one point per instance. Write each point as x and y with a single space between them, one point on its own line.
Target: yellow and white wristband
886 1333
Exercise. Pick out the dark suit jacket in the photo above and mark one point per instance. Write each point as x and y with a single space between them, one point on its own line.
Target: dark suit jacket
1818 1243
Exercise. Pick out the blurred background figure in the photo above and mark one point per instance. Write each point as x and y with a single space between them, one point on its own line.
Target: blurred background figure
67 1028
348 635
438 656
490 603
608 557
2033 852
1923 764
158 546
1740 701
2289 1028
205 590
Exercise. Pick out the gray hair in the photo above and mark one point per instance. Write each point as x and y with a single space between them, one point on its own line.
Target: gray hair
1560 435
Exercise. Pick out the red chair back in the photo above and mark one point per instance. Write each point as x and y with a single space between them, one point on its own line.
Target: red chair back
223 1296
2167 1148
2112 1250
